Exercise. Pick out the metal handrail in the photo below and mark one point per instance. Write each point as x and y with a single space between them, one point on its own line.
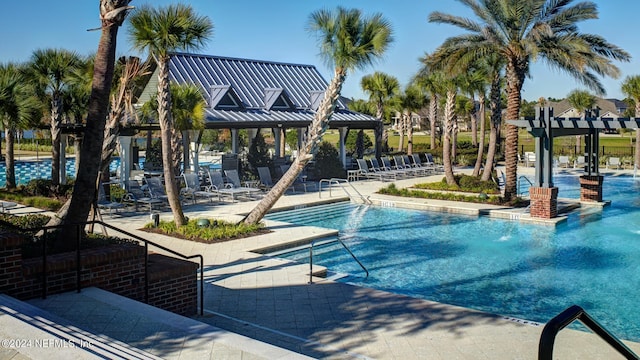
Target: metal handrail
527 179
80 226
562 320
339 182
346 248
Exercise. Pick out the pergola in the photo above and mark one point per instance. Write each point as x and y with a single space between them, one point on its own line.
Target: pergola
545 127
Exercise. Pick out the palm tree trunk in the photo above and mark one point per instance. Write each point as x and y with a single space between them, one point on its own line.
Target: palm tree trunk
401 133
637 157
84 191
306 152
481 110
514 88
56 113
409 134
446 143
474 124
166 136
433 112
454 140
9 159
496 119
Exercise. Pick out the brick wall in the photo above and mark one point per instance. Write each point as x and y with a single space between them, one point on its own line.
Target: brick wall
115 268
544 202
591 188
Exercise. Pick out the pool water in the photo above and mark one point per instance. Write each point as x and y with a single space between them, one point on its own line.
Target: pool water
530 272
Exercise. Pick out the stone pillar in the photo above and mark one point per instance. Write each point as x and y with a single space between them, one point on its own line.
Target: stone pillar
591 188
544 202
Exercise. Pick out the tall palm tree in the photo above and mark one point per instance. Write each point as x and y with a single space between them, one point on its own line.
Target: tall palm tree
431 81
631 88
19 109
524 30
162 31
348 40
50 69
410 101
112 15
380 87
581 100
494 65
451 87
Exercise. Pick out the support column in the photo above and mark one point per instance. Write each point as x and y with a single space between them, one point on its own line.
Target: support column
343 131
544 202
234 141
126 158
591 188
277 135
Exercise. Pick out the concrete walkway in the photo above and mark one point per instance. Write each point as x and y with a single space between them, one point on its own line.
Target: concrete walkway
270 300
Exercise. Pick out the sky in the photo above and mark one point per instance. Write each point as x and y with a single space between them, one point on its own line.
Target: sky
276 30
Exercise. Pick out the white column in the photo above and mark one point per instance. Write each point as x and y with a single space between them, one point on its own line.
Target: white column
63 158
234 141
343 152
126 158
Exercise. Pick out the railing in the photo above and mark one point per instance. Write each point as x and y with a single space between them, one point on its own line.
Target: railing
562 320
519 183
80 226
340 182
345 247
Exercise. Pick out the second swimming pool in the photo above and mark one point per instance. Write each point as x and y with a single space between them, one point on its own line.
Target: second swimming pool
530 272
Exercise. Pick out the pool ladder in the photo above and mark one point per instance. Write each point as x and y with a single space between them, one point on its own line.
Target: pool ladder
345 247
341 183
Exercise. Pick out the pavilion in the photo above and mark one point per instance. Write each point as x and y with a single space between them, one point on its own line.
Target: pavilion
545 127
254 95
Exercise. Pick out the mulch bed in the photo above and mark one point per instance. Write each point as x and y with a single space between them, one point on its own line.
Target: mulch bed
207 241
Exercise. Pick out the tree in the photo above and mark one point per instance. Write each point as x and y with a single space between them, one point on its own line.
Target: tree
19 109
50 70
431 81
348 40
188 112
380 87
162 31
631 88
522 31
451 87
494 66
581 100
112 15
409 102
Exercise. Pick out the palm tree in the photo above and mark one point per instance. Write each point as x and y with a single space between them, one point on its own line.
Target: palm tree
581 100
380 87
50 69
112 15
451 87
524 30
410 101
494 64
162 31
431 81
348 40
19 109
631 88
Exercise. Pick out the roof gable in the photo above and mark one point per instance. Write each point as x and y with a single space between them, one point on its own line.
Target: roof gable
223 97
277 99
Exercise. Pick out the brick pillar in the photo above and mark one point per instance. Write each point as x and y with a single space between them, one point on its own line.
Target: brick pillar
591 188
11 261
544 202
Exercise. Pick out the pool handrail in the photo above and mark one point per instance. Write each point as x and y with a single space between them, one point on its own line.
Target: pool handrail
562 320
339 182
345 247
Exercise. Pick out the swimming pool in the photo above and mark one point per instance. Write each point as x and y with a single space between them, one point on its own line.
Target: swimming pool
526 271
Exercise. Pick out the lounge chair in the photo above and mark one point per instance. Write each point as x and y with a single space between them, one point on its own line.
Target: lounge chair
193 189
613 162
386 164
234 179
156 189
563 161
300 181
106 204
430 162
218 186
400 165
265 178
136 195
370 174
580 162
529 159
412 164
395 174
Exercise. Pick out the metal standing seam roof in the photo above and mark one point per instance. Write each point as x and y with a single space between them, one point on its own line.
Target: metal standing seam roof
254 82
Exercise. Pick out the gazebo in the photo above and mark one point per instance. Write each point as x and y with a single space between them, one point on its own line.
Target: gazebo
545 127
257 94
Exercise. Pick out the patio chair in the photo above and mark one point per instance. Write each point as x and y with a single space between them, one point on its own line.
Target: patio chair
218 186
430 162
106 204
136 195
234 179
265 177
418 163
580 162
193 188
370 174
156 189
375 166
412 164
613 162
300 181
529 158
563 161
400 165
